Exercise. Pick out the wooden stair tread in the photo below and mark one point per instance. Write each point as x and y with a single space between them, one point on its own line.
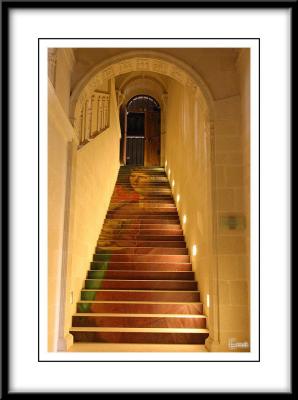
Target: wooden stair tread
185 316
155 330
139 302
141 290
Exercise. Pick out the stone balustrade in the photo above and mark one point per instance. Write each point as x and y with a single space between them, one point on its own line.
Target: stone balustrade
93 118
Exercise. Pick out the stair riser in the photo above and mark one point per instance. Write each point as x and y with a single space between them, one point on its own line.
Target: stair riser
157 238
138 322
144 337
107 242
140 285
145 202
98 295
140 275
143 198
97 265
137 308
142 205
141 227
131 183
139 217
141 258
157 213
142 222
131 194
141 232
152 207
141 250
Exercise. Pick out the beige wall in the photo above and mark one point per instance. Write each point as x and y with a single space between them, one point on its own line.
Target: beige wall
60 133
229 197
80 184
221 264
187 152
96 170
243 68
64 65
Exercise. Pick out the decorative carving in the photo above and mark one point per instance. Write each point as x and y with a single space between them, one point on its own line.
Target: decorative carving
124 67
143 64
52 61
108 73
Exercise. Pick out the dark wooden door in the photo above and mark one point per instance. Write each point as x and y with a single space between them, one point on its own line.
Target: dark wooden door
135 138
152 138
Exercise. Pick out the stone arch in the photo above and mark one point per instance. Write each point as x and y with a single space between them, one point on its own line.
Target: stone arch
132 79
138 61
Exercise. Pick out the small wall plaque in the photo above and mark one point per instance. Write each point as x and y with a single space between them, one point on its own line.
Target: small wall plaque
232 222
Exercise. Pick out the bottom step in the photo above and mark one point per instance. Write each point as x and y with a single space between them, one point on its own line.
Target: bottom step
140 335
135 347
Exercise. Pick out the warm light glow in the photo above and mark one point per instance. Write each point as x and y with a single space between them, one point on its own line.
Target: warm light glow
178 198
208 300
194 250
173 183
184 219
169 172
166 163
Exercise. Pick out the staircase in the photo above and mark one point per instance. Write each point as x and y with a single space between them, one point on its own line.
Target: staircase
140 287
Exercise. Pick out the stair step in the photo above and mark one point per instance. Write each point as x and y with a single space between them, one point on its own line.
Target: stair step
126 193
146 211
139 307
150 232
140 284
142 295
159 218
140 266
140 335
141 250
140 275
141 237
141 204
119 225
142 258
111 242
132 183
151 221
139 320
139 221
170 202
142 197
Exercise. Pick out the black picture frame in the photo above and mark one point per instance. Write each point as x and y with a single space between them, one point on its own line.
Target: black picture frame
6 8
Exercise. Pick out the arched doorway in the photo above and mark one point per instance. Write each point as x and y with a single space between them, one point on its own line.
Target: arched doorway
140 131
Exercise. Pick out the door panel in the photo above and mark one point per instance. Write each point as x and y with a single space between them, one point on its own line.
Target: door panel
135 138
152 138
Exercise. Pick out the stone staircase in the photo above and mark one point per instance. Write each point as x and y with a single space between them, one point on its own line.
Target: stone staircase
140 287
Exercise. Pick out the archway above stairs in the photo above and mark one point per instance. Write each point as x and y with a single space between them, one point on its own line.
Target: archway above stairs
136 61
